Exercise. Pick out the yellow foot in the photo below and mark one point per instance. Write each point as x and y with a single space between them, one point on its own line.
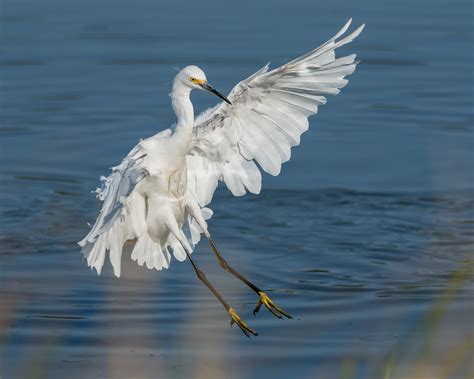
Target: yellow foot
235 319
272 307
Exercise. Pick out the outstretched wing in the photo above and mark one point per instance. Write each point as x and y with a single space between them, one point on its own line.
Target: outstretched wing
269 112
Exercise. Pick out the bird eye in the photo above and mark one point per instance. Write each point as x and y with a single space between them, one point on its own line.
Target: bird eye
192 79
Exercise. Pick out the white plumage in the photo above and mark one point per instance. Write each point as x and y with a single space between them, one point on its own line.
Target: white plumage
161 188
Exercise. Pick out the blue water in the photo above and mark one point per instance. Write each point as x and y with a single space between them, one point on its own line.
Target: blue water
366 237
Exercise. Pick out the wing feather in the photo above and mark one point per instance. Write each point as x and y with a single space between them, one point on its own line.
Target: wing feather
269 112
122 216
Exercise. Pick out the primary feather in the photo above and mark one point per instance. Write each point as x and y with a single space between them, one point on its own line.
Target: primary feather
269 112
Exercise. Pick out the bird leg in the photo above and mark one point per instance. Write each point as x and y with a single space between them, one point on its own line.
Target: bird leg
264 298
234 317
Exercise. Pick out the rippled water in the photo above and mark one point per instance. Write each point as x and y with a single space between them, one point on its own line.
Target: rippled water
366 237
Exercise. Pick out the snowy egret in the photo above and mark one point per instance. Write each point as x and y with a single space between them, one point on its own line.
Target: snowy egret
158 195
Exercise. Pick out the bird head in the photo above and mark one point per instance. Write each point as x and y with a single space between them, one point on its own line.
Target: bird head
195 78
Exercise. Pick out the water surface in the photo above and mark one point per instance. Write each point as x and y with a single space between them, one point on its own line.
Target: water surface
366 237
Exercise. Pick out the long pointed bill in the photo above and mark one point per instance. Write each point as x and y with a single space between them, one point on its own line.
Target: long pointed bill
215 92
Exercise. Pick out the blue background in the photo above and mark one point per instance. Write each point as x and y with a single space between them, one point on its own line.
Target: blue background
366 236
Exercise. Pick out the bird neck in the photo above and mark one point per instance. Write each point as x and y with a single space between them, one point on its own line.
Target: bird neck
183 108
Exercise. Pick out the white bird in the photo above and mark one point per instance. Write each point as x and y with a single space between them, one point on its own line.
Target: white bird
162 187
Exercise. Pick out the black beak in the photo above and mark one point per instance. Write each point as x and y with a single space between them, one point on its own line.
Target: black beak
215 92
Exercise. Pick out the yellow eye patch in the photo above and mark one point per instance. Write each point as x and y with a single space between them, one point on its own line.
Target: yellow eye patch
197 81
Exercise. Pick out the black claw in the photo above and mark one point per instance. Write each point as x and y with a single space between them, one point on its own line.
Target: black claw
244 331
274 313
282 312
257 308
